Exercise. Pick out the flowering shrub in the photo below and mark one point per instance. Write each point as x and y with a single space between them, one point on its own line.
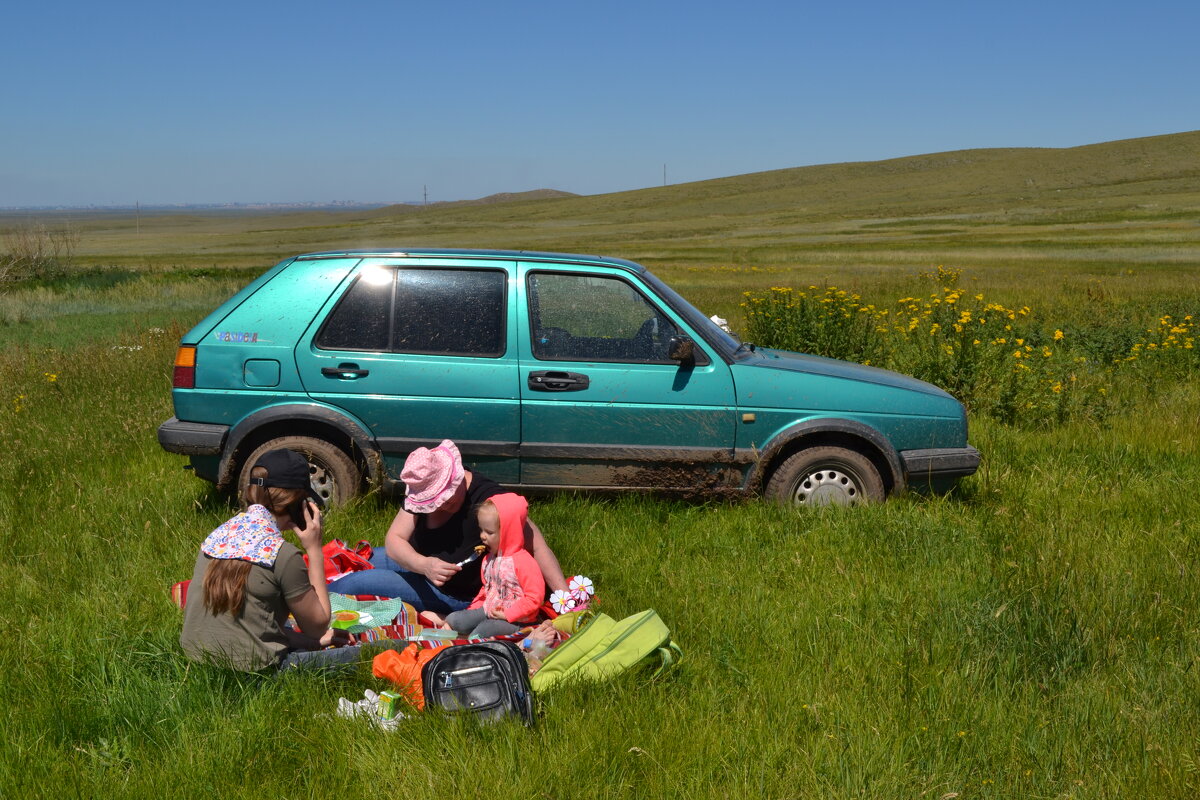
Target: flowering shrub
997 360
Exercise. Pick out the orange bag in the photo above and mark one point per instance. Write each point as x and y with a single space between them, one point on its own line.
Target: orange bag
404 669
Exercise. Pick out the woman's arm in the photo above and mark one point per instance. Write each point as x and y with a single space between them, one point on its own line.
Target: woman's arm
311 609
535 543
298 641
399 548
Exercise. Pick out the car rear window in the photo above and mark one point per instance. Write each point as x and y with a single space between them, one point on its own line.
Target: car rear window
458 312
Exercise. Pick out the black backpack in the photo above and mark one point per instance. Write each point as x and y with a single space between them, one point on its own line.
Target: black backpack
489 679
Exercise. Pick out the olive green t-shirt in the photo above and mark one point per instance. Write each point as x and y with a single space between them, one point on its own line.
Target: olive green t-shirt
252 639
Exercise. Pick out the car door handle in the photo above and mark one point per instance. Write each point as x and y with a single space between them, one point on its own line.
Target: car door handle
555 381
348 372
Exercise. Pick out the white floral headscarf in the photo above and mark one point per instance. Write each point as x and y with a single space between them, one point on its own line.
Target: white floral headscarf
251 536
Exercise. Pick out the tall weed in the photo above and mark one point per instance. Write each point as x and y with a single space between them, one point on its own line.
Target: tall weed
35 251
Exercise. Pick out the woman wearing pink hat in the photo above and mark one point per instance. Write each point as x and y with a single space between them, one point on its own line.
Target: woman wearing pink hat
435 533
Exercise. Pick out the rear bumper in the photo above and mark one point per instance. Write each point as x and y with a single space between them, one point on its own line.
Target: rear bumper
192 438
940 466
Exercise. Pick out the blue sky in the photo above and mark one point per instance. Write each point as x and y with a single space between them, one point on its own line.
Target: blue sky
111 104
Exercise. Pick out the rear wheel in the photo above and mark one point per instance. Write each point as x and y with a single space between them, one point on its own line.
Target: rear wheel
332 474
820 476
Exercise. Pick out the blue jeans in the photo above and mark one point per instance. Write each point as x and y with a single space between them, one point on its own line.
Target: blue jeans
389 579
339 658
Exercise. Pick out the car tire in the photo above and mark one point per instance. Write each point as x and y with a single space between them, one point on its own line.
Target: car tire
819 476
333 474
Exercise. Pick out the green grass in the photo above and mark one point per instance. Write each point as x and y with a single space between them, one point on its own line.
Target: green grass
1032 635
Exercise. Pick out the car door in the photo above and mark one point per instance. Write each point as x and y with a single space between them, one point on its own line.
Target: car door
602 404
419 350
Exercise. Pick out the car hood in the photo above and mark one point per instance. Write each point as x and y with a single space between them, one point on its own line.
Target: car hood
831 367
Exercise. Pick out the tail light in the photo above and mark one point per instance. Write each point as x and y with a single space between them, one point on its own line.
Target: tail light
185 368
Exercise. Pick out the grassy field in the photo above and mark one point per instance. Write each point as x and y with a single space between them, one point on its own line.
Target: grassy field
1032 635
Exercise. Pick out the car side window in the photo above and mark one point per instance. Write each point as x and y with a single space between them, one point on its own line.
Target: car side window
595 318
360 320
457 312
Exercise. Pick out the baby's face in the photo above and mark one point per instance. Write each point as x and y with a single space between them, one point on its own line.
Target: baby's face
489 530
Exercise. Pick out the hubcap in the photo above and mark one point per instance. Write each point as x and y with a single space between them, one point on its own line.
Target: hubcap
321 481
825 487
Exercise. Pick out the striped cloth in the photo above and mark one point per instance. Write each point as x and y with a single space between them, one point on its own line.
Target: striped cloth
403 624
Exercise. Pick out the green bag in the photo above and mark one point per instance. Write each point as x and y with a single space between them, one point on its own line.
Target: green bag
605 647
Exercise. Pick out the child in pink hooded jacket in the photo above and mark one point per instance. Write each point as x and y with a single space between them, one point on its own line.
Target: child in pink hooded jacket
513 586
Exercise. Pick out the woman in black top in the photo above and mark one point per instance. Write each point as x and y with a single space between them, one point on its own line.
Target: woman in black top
435 531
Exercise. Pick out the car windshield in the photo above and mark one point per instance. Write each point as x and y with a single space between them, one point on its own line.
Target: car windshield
726 341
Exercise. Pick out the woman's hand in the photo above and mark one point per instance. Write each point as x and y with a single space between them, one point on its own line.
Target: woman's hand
438 571
313 530
334 637
546 633
497 613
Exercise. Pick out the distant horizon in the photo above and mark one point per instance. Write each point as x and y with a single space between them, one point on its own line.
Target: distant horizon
318 204
370 204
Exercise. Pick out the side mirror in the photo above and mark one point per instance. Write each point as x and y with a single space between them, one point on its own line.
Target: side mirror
681 349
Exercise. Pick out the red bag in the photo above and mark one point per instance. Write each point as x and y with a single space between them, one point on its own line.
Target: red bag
340 559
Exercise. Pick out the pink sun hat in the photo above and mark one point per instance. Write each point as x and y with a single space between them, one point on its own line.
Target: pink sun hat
431 476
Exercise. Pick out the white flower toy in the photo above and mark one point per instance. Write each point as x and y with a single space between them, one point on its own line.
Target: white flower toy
562 601
581 587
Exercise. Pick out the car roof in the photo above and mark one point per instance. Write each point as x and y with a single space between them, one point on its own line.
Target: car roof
507 255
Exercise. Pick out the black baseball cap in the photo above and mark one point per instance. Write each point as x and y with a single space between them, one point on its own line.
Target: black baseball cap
286 469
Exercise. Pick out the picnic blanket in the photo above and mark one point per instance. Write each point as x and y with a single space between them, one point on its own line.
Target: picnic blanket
402 619
372 613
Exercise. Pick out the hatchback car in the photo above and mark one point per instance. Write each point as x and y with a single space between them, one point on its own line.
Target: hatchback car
548 371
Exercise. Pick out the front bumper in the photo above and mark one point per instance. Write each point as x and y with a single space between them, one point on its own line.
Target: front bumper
939 467
192 438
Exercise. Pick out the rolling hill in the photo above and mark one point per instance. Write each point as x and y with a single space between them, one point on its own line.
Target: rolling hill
1101 207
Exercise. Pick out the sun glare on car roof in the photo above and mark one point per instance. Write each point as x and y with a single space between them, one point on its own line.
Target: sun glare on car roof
377 276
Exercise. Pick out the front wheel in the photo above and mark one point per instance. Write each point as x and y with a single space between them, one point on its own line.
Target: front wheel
820 476
332 474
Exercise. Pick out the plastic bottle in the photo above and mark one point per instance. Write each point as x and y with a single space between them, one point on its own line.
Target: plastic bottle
536 648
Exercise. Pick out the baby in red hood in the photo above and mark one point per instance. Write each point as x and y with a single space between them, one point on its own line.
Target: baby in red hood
513 586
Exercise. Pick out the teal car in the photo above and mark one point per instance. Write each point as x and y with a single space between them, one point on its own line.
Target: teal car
549 371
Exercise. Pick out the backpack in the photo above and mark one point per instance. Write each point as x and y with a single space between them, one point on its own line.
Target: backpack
605 647
488 679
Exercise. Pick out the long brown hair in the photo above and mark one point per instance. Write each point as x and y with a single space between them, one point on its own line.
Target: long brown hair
225 578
